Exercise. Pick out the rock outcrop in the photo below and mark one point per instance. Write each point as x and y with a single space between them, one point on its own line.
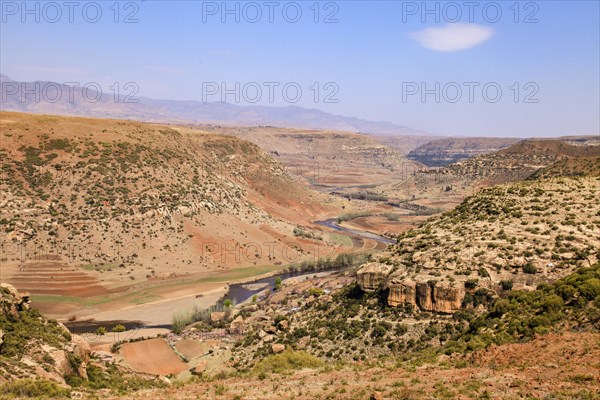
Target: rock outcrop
277 348
428 296
447 298
402 292
431 296
51 353
373 276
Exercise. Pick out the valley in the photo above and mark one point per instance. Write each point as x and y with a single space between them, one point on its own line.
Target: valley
191 258
320 200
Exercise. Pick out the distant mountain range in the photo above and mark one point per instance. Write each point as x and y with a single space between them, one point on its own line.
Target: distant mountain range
44 97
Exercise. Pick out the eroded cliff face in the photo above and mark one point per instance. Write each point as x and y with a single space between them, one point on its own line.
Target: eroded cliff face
402 292
435 297
373 276
428 295
447 299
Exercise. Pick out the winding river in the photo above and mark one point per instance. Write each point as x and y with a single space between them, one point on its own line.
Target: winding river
333 224
238 291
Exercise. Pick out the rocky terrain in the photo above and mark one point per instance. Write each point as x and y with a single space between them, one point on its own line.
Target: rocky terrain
441 152
101 206
326 338
327 159
504 238
68 172
512 164
32 346
519 232
480 298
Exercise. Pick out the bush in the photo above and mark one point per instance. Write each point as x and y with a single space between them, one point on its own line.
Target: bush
529 269
506 285
521 314
101 331
287 361
471 283
180 320
30 326
38 389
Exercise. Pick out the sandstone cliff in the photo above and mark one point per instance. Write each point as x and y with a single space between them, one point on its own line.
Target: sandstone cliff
373 276
427 295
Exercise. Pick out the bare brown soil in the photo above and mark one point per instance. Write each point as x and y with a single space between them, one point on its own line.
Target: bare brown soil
152 356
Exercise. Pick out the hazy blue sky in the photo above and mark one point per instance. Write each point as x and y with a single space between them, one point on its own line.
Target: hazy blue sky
378 54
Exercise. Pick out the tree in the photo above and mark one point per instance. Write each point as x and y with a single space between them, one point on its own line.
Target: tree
101 331
277 285
119 328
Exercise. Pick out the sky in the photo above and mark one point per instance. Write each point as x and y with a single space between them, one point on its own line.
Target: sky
502 68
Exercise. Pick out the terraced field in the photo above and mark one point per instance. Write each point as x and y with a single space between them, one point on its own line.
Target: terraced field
54 277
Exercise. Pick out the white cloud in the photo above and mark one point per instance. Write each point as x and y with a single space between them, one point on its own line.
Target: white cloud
453 37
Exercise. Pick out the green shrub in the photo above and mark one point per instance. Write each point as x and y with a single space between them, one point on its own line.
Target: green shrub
180 320
506 285
520 315
529 269
37 389
471 283
287 361
29 326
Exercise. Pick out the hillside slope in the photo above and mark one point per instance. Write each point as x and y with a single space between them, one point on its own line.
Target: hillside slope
512 164
130 202
326 159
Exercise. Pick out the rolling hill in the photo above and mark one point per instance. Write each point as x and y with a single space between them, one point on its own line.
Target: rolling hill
100 206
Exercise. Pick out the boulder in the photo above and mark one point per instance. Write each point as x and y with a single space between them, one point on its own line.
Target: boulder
237 325
12 291
303 342
217 316
81 348
277 348
373 276
268 338
61 362
284 325
270 329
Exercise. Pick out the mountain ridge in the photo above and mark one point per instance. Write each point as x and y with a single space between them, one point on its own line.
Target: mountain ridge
182 111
